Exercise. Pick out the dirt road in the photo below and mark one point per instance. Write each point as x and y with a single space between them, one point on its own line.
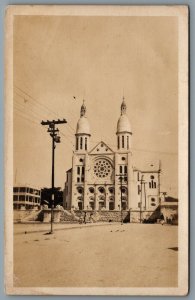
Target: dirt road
129 255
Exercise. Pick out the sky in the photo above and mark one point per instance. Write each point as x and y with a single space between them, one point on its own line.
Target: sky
99 59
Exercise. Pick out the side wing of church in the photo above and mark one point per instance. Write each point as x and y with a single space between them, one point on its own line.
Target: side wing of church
103 179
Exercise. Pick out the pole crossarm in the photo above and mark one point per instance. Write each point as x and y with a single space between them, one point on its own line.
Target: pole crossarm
63 121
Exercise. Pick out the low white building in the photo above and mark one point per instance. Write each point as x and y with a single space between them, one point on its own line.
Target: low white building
26 197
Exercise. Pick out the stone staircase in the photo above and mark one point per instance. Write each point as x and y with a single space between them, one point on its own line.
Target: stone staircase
67 216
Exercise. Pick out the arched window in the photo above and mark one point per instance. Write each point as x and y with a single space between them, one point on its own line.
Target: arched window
124 189
101 189
85 143
77 143
81 142
125 169
80 190
91 189
123 141
127 142
78 170
83 170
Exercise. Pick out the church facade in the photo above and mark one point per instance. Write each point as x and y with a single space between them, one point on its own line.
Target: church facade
103 179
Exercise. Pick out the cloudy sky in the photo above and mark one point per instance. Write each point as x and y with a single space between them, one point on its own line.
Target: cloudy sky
99 59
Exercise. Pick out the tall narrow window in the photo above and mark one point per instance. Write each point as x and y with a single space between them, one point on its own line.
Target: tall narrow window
78 170
81 142
127 142
85 143
121 169
125 169
77 143
123 142
118 142
83 170
138 189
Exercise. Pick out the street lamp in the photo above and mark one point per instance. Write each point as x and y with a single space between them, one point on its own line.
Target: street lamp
141 199
121 182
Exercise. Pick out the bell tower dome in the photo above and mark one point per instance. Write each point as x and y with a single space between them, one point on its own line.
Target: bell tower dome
82 131
124 131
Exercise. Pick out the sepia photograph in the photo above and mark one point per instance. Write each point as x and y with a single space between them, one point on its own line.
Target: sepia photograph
96 150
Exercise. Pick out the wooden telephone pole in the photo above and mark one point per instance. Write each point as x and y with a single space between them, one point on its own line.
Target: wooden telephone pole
54 133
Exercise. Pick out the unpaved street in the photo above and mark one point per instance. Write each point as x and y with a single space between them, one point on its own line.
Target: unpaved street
128 255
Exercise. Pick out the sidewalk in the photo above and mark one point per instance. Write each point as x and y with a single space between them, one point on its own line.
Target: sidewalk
22 228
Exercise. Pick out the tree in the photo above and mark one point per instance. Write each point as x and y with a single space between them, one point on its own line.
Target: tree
46 196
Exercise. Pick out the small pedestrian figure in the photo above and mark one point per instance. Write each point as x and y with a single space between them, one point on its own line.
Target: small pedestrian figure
85 215
91 218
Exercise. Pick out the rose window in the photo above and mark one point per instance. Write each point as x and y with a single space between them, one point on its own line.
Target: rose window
102 168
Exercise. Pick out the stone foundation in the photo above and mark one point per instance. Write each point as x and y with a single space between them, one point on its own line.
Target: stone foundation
133 216
103 216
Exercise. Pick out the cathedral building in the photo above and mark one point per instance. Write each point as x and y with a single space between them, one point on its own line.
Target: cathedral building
103 179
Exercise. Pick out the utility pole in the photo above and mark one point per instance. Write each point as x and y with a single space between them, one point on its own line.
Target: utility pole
159 199
121 180
55 139
141 199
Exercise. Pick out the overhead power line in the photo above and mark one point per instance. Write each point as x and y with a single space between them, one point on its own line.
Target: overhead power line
41 104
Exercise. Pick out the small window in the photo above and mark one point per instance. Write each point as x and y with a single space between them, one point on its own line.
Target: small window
123 141
15 197
21 198
118 142
77 143
111 205
78 170
124 190
80 190
85 143
78 179
101 190
91 189
152 177
137 176
138 189
153 199
121 169
125 169
127 142
81 160
81 142
154 185
153 204
83 170
111 190
150 185
123 158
